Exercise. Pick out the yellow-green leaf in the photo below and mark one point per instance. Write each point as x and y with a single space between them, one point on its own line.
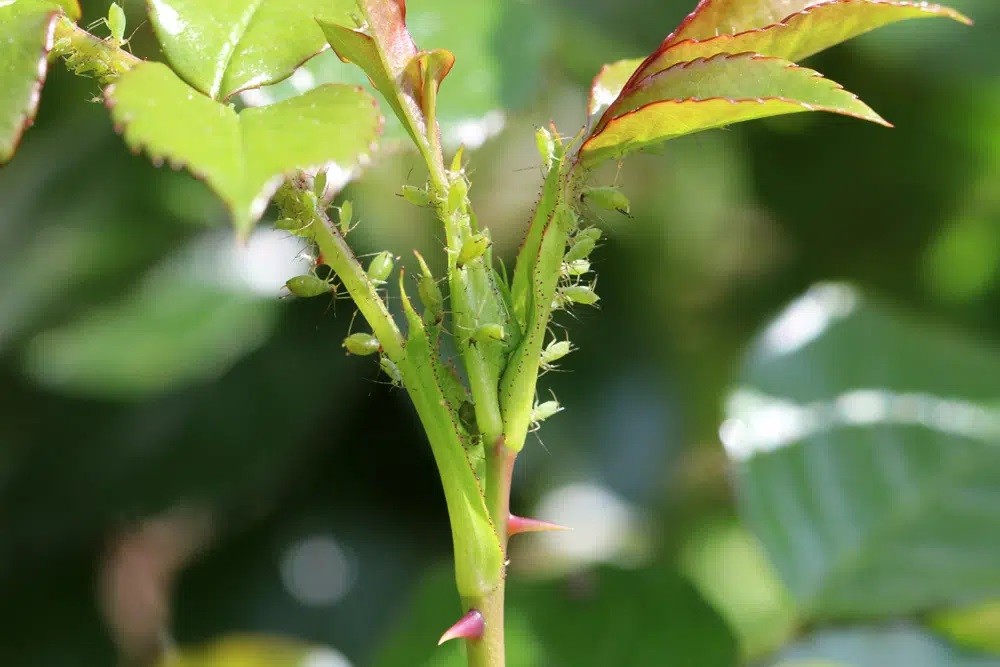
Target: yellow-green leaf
709 93
243 156
225 46
26 28
254 651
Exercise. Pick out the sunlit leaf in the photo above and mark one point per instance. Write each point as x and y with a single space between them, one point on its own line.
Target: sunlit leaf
225 46
879 646
26 28
866 455
976 627
709 93
719 17
794 37
255 651
243 156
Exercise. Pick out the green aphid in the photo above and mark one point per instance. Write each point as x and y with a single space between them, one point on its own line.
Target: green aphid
542 411
473 248
344 217
391 370
362 344
416 196
546 146
295 227
490 333
609 198
581 294
555 351
575 268
319 183
310 285
581 248
430 293
457 192
116 24
467 417
380 267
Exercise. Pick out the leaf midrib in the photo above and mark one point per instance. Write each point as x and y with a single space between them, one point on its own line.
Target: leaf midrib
236 36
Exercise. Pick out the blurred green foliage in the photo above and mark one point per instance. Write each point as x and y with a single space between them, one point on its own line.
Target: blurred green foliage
183 452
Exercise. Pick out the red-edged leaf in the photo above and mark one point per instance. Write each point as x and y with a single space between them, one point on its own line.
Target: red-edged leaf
26 29
719 17
713 92
386 52
795 37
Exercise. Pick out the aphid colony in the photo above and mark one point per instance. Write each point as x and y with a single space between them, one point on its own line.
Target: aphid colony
100 58
572 289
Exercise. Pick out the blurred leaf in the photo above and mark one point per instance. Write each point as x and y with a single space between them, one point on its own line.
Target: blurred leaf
492 73
975 627
709 93
175 329
604 617
963 262
26 30
611 616
729 568
866 453
226 46
244 156
881 646
256 651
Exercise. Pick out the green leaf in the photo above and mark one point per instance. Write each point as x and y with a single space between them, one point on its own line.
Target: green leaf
866 454
26 28
975 627
880 646
709 93
255 651
719 17
225 46
795 37
610 616
243 157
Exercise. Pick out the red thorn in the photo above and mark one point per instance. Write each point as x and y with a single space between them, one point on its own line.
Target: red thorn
519 524
470 626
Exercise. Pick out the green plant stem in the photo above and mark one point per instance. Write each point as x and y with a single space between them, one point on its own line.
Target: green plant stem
339 257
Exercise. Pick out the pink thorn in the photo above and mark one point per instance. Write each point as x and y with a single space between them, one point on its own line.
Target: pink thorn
518 524
470 626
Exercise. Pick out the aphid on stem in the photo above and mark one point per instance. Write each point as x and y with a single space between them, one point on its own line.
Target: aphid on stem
309 285
361 344
553 352
542 411
380 267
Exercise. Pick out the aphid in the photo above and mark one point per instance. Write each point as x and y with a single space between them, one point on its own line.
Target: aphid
380 267
473 248
361 344
310 285
584 243
575 268
582 294
457 192
546 146
489 333
319 183
294 227
456 160
542 411
430 293
609 198
467 417
344 215
416 196
115 22
392 370
553 352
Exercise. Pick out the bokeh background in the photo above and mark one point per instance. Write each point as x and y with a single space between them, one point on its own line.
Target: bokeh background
187 458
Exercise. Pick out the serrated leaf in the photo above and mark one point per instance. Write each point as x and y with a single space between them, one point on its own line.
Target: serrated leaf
26 28
795 37
225 46
713 92
866 455
244 156
719 17
494 75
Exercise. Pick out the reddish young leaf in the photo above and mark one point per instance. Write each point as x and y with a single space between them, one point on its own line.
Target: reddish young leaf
713 92
793 38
